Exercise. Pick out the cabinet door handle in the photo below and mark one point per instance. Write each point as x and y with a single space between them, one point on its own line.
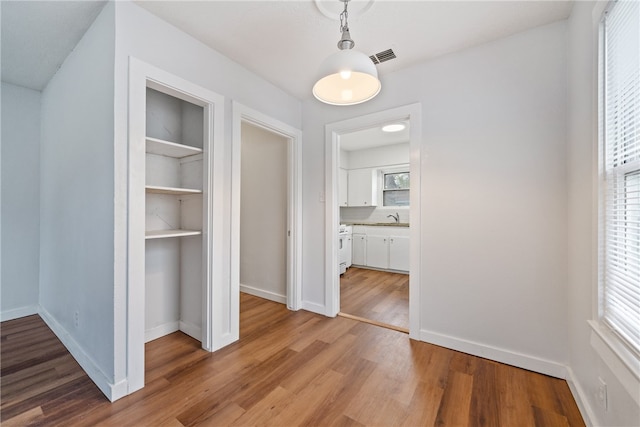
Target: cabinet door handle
391 240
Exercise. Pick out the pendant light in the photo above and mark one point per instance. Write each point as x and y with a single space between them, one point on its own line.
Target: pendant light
347 77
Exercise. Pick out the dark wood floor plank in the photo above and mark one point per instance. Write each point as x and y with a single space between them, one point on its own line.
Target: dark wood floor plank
484 410
456 401
513 398
289 368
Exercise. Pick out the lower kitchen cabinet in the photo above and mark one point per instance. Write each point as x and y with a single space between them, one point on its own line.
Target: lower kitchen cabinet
359 249
377 251
399 253
382 247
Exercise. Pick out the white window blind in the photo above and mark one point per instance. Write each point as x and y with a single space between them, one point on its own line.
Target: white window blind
620 121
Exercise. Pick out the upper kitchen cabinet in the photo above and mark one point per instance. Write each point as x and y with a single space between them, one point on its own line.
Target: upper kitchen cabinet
343 188
362 187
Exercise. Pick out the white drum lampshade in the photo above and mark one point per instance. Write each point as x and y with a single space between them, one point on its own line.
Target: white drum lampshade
347 77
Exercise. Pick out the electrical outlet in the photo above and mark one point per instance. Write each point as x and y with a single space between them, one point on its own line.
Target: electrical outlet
603 399
76 318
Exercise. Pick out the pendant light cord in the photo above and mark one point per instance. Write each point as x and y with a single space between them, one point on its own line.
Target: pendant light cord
345 41
344 25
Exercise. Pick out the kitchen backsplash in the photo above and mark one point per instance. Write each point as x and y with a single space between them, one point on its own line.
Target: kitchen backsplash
366 214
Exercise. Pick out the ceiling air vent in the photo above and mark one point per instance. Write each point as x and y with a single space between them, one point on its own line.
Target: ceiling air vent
384 56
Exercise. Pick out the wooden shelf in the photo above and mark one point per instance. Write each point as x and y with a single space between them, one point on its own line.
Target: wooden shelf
170 149
171 190
163 234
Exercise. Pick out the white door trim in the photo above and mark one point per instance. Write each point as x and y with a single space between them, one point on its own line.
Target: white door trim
294 196
217 329
411 113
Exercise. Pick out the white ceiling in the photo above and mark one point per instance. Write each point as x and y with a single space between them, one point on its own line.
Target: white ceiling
372 137
284 41
37 36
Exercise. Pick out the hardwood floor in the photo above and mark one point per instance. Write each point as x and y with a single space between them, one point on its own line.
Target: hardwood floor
289 368
379 296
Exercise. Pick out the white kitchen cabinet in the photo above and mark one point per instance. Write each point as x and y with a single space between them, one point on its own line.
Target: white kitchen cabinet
377 251
343 189
175 254
362 187
399 253
381 247
359 249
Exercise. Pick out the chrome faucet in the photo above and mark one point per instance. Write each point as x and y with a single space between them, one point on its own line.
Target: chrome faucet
396 217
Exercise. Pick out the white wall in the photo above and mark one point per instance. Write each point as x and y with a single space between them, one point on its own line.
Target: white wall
20 201
76 203
493 205
585 363
263 214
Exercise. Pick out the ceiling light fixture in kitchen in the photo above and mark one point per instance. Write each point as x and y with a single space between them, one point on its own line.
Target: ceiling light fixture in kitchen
347 77
394 127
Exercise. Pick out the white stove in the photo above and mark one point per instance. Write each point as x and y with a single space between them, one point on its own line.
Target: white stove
344 247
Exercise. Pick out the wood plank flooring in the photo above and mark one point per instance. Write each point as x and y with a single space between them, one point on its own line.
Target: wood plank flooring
289 368
378 296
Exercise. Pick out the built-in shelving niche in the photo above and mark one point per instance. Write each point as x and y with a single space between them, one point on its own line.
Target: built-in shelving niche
174 250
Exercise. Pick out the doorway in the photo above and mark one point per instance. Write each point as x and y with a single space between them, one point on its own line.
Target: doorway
252 227
374 233
263 213
411 115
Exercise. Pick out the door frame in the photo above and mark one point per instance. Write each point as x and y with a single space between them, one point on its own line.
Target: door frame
216 332
242 113
413 114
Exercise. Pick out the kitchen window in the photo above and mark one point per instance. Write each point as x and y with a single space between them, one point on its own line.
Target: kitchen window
619 111
395 188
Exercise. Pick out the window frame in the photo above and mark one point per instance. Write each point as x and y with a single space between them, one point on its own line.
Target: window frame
390 170
614 347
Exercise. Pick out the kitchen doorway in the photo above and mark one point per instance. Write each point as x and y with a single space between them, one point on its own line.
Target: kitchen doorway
374 232
334 133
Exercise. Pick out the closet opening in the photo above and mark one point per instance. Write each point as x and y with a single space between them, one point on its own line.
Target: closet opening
175 251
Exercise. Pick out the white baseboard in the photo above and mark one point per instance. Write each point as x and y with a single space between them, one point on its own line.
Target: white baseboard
194 331
271 296
314 308
162 330
519 360
112 390
581 398
16 313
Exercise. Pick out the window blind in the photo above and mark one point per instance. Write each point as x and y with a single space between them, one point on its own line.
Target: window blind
620 105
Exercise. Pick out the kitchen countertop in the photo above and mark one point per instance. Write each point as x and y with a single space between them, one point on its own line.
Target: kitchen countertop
378 224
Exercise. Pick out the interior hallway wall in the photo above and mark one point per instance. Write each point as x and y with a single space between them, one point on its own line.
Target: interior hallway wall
19 284
263 214
76 203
